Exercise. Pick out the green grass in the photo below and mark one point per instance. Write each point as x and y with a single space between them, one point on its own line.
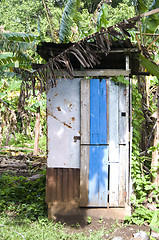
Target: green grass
23 212
41 229
20 197
25 144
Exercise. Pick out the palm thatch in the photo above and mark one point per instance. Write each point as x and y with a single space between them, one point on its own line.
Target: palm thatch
85 51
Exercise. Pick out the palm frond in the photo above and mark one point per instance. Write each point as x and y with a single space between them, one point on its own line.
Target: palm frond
66 22
13 42
140 6
153 20
150 66
7 60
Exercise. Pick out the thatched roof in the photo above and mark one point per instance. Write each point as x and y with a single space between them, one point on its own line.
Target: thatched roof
88 53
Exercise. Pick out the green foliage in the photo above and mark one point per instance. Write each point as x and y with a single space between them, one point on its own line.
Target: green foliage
75 23
13 228
22 197
150 66
120 79
137 118
102 18
29 17
144 192
140 6
110 16
66 21
18 126
89 220
14 48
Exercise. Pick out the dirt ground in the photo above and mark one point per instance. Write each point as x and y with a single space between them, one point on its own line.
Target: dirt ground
112 228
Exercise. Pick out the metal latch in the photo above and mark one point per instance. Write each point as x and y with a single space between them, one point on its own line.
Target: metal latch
76 138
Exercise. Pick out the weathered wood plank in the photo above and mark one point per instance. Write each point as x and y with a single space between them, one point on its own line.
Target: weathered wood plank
122 180
113 121
84 175
94 112
85 111
130 143
123 113
103 112
98 176
114 185
94 171
98 112
103 176
128 167
113 144
93 73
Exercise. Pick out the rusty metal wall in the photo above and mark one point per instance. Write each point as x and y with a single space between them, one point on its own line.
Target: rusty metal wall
63 119
62 184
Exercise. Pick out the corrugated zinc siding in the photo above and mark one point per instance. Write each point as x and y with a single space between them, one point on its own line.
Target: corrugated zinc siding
62 184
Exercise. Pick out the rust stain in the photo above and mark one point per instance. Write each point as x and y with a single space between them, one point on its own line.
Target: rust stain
73 119
125 92
55 95
59 109
70 105
55 118
65 124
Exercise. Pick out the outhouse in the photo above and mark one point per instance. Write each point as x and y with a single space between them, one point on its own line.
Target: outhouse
89 125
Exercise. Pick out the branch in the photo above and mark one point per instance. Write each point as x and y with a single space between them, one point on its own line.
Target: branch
150 12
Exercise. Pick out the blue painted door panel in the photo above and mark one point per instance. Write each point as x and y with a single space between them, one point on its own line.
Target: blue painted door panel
98 156
98 176
104 130
98 112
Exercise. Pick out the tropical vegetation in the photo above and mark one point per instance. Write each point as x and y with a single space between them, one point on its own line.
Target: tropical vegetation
22 26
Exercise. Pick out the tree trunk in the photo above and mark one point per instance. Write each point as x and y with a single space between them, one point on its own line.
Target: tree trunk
142 88
37 130
1 130
155 154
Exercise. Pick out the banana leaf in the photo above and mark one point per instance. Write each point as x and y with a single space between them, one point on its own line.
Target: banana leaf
150 66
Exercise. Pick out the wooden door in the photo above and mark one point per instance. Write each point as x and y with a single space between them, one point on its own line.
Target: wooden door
94 149
104 123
